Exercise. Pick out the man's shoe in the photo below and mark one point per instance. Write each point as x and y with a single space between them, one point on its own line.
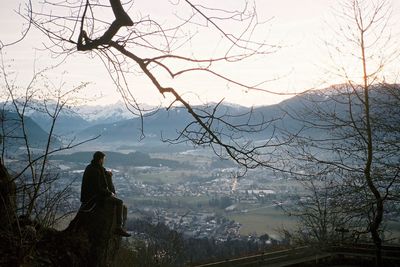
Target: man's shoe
121 232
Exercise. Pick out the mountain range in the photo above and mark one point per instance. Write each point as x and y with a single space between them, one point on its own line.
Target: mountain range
14 135
120 128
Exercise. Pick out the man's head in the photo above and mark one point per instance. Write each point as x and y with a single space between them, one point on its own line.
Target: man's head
98 157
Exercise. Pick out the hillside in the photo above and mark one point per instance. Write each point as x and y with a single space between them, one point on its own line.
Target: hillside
12 132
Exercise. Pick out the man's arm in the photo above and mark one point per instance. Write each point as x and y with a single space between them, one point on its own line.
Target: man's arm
102 185
109 181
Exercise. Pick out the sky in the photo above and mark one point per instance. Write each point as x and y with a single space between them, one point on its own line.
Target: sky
299 27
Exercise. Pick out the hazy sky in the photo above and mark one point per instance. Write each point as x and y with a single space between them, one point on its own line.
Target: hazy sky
300 26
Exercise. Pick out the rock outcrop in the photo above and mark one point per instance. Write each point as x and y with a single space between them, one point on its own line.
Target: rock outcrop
89 240
98 223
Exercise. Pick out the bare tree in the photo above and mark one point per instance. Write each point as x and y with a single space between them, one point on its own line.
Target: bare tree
143 45
321 220
351 131
29 152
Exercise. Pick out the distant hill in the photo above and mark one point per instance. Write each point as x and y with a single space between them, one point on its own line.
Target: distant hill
115 159
163 123
13 132
65 120
80 117
314 112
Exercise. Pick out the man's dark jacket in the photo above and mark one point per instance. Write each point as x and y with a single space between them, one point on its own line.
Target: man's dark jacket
96 183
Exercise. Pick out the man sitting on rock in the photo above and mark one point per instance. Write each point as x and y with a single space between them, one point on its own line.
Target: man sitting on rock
97 187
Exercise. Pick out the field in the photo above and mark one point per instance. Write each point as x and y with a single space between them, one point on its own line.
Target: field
184 201
267 219
170 176
270 219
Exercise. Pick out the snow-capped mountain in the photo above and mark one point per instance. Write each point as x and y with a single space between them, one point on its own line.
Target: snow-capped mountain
107 113
71 120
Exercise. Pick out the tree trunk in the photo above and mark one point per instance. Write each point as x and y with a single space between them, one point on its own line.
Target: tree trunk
374 227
